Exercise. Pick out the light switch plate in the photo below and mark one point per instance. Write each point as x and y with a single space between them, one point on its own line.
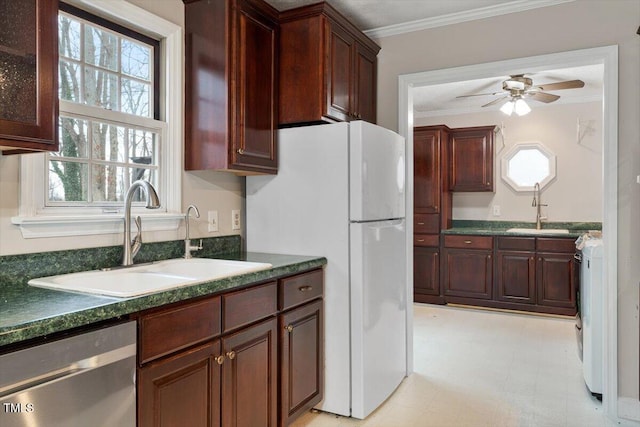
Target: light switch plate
212 221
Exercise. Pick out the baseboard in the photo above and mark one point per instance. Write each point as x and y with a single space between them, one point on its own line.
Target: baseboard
629 409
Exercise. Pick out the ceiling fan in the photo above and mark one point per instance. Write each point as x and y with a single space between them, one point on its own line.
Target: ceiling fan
517 88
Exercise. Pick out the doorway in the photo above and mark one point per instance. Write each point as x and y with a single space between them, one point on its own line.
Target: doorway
608 57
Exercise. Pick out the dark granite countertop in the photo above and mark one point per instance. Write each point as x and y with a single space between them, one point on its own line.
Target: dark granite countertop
28 312
500 228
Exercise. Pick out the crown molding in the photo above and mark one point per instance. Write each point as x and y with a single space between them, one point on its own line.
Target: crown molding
465 16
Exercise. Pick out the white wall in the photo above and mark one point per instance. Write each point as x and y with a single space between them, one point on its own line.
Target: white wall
570 26
575 194
208 190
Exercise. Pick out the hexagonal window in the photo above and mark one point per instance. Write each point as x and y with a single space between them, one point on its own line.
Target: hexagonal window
527 163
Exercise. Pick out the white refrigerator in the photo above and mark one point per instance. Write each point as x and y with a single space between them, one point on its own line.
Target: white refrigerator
340 193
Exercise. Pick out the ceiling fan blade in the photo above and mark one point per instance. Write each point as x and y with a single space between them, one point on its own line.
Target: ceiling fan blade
479 94
569 84
543 97
495 101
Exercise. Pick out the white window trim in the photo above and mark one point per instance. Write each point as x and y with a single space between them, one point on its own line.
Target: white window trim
36 222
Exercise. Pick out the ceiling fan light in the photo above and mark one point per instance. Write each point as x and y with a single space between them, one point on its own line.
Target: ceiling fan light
507 108
522 107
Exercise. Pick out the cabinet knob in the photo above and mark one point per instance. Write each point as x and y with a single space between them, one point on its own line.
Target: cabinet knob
240 151
305 288
435 207
220 359
231 355
488 183
289 328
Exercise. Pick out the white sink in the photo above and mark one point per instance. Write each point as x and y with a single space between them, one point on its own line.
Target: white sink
542 231
148 278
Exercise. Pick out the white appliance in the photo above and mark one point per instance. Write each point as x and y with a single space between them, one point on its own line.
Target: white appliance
591 313
340 193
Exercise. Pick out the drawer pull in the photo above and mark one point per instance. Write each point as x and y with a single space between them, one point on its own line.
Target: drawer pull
289 328
231 355
421 223
468 242
305 288
220 359
420 240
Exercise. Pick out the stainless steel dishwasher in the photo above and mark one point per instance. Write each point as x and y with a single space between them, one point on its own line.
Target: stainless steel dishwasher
84 380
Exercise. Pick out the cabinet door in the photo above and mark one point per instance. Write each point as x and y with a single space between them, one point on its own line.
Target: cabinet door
230 86
468 273
426 270
516 277
254 102
471 159
340 79
555 280
29 70
183 390
426 171
364 98
302 360
249 377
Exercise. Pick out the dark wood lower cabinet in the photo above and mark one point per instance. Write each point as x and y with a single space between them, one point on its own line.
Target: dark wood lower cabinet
529 273
301 360
215 361
516 277
250 377
426 274
183 390
468 273
556 280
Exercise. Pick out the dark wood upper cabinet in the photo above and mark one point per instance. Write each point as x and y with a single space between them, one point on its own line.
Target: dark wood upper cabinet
29 67
231 94
471 164
327 68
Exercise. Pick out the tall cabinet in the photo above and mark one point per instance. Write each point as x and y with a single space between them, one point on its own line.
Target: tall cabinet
28 75
431 209
231 93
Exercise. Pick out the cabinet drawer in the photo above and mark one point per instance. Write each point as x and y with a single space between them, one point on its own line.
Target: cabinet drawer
432 240
426 223
170 330
249 305
517 243
468 242
298 289
550 244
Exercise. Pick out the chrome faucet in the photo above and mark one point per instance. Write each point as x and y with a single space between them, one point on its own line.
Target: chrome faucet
536 203
188 247
131 247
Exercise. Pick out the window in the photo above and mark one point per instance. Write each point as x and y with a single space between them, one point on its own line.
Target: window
116 123
102 69
528 163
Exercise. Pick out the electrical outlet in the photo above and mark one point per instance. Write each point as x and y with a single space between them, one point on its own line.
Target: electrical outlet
212 221
496 210
235 219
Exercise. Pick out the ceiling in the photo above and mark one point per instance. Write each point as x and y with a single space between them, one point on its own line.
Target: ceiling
439 100
381 18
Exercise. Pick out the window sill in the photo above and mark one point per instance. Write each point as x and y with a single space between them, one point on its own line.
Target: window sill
67 225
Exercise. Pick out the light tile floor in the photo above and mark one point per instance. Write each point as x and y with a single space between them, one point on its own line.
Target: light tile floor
481 368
